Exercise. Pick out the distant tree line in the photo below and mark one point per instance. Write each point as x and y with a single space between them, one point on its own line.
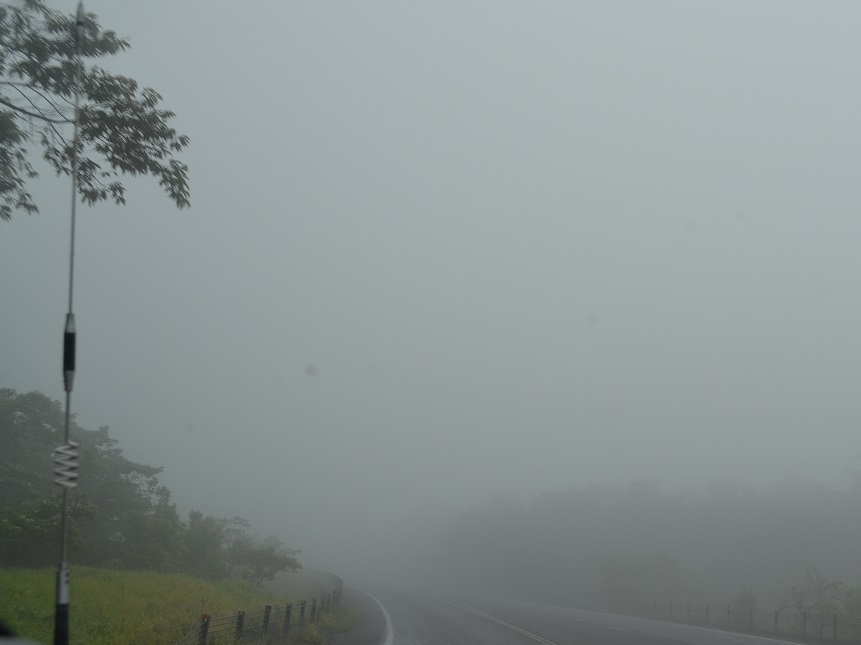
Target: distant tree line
121 516
626 548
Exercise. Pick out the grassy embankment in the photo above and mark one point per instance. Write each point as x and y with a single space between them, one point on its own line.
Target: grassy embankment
137 608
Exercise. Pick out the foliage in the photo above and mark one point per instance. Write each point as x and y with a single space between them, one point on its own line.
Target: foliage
819 596
115 499
257 561
30 426
218 547
122 129
120 515
203 540
29 531
725 535
825 597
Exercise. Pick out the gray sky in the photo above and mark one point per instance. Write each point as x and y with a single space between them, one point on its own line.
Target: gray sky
443 250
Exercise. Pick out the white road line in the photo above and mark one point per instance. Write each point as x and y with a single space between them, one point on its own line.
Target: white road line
619 629
515 628
390 632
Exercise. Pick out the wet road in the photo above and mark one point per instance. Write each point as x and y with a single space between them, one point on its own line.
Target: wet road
404 618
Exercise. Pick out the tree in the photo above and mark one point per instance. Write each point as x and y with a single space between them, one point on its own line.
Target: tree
825 597
256 560
28 531
819 596
216 548
126 494
203 552
122 129
30 426
120 513
152 539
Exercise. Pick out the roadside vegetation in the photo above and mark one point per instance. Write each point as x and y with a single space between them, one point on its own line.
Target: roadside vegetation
334 622
122 517
630 549
141 573
138 608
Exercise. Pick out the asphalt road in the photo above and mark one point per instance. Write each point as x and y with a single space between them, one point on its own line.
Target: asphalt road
402 618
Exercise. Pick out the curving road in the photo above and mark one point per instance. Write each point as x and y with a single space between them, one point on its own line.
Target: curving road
403 618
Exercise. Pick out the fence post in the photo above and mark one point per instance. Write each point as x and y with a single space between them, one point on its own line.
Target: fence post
301 612
776 614
688 619
834 626
240 623
314 610
804 623
750 619
728 614
288 609
267 614
707 613
203 629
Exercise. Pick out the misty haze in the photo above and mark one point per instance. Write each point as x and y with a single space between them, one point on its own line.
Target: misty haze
553 304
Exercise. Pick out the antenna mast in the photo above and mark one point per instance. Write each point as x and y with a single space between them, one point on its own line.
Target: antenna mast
66 456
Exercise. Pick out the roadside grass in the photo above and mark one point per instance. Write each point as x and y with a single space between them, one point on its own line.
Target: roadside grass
130 607
335 622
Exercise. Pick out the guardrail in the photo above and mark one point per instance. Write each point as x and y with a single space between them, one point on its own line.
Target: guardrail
272 624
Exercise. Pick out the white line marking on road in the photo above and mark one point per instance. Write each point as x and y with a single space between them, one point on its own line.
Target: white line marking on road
515 628
619 629
390 632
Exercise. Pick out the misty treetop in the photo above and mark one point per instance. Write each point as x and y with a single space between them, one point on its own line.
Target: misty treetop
625 547
123 131
121 515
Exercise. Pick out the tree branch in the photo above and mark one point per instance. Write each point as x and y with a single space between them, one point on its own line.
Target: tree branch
34 115
36 107
42 95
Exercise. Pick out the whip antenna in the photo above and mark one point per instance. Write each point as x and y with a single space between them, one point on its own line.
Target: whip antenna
66 456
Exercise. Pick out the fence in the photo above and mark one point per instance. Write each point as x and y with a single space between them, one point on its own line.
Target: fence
804 625
272 624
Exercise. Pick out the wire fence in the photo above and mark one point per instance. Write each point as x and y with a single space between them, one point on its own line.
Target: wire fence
272 624
814 625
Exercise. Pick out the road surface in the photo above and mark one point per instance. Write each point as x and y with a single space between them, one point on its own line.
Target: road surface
405 618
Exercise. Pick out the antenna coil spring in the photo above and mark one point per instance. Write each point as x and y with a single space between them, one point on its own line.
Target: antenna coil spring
66 459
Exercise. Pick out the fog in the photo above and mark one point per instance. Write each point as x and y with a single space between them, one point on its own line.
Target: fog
443 254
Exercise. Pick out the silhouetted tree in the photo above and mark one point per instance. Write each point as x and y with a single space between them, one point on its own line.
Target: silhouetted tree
121 515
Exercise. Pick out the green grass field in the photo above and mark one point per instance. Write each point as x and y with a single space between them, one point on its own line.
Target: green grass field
133 608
